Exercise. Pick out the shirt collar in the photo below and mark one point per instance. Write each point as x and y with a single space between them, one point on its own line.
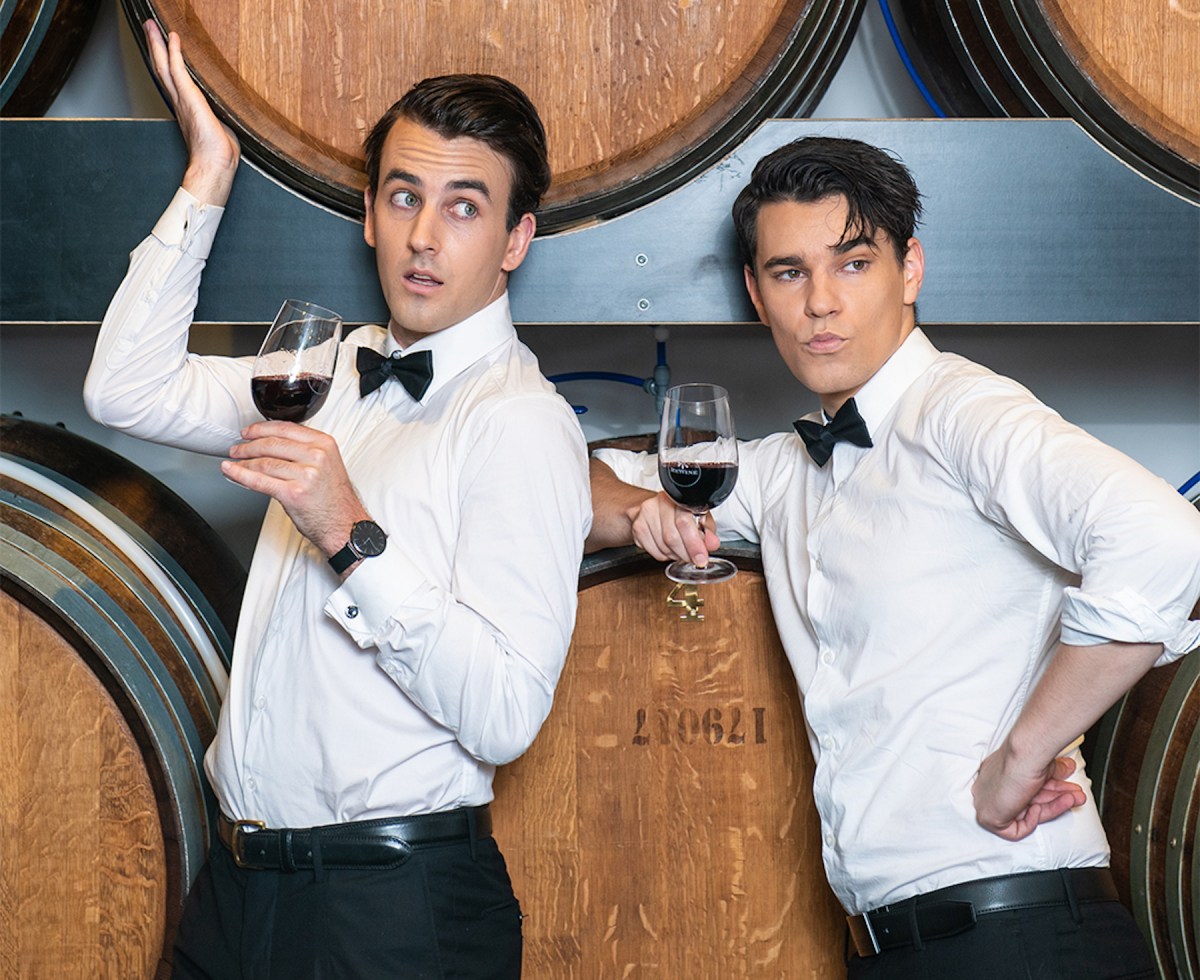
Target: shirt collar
459 346
877 397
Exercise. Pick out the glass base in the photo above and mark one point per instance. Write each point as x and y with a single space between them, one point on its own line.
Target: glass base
717 570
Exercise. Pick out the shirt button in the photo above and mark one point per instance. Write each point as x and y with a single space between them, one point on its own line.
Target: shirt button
352 612
260 702
827 657
827 742
251 783
817 563
830 840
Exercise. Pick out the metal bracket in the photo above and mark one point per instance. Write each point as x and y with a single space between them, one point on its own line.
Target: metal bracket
687 598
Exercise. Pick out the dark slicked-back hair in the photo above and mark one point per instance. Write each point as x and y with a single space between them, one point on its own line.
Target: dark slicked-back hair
878 189
486 108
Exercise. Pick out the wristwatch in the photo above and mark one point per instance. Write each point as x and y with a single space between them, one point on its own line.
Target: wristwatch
367 539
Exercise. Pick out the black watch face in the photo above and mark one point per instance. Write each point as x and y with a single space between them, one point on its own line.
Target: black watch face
368 539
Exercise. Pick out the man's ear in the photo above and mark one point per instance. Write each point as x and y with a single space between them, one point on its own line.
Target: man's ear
755 296
369 217
518 242
914 271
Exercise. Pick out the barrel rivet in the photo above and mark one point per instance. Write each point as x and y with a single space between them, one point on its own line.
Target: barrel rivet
1137 829
1174 842
641 258
643 304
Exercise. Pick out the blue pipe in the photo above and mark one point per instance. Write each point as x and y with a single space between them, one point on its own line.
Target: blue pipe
908 65
655 385
646 384
597 376
1190 483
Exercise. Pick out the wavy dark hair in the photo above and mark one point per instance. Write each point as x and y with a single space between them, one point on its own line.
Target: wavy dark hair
484 107
879 190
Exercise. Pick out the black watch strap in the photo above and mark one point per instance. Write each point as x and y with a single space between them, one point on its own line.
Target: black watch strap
343 559
367 539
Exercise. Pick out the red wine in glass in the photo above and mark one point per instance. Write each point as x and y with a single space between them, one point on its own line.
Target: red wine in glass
698 463
294 368
289 399
698 486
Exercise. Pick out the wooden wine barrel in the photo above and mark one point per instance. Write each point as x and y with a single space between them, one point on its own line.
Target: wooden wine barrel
1144 761
1126 70
40 42
961 50
637 96
114 659
662 824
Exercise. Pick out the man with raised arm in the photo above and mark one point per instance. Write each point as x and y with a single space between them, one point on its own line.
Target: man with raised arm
412 594
963 583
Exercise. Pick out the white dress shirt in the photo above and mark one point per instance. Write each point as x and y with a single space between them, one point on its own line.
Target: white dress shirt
399 690
919 587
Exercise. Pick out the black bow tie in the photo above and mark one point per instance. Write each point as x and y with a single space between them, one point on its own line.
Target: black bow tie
820 439
414 371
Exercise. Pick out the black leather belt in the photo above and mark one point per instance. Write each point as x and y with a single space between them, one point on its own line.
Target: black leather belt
385 843
949 911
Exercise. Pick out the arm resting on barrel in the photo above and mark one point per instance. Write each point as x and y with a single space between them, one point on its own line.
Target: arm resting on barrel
624 514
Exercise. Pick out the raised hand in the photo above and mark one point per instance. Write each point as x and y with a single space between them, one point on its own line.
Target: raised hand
213 150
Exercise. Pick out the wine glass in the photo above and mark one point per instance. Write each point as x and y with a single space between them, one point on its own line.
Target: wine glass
294 368
698 463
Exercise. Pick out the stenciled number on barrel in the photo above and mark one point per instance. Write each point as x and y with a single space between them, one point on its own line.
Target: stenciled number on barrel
689 726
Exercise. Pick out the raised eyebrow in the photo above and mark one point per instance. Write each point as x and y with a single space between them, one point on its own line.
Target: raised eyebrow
856 242
403 176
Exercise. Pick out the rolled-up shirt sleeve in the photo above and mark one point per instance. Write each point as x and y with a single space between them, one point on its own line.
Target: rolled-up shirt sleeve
637 469
1140 576
1131 538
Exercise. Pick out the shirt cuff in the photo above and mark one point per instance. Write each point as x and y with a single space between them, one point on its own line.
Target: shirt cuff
371 597
1124 617
188 224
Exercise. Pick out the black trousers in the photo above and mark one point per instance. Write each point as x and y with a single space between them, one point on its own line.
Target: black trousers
447 912
1099 942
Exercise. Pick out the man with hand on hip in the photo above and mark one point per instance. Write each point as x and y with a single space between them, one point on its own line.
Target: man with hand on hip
963 583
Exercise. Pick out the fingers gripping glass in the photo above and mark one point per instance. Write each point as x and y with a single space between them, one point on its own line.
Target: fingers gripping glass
698 463
294 368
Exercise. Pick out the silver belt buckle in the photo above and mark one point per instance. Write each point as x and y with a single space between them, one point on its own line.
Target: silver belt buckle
241 827
862 933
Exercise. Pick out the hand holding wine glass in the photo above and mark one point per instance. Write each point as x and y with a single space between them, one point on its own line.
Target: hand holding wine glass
697 463
294 368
